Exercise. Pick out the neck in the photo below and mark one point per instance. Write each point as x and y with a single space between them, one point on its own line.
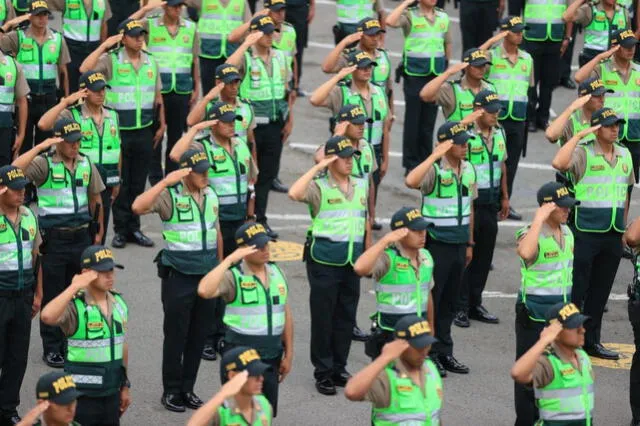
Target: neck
244 401
410 368
52 422
509 47
227 99
221 140
472 82
132 54
408 251
566 351
97 294
260 50
607 6
93 108
453 161
190 187
426 9
38 32
621 62
555 225
169 20
586 112
482 127
7 209
255 268
605 147
361 85
338 177
371 52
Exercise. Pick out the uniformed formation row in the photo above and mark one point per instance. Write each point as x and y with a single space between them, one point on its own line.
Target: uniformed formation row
220 293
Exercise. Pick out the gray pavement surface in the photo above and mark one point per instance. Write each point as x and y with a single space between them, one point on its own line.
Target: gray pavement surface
484 397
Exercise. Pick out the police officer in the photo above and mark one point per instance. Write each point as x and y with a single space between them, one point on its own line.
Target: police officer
558 369
100 134
427 42
603 175
84 26
226 90
617 69
44 56
598 19
57 395
240 400
478 19
351 12
455 97
546 39
545 249
13 108
487 152
248 282
448 186
632 238
94 317
217 19
188 208
264 83
371 98
174 43
402 384
403 272
135 94
339 233
511 72
20 294
69 209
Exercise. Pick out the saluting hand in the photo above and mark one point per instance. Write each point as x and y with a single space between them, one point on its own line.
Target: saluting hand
456 68
352 38
346 71
341 128
32 416
442 148
48 143
215 91
580 102
584 132
82 281
240 253
396 235
111 41
75 97
392 350
608 53
12 23
176 176
550 332
253 38
471 118
233 386
544 211
322 164
205 124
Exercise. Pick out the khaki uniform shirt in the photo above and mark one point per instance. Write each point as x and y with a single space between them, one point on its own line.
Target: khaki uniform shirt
227 288
545 232
521 54
84 111
68 322
22 211
267 65
334 102
252 169
379 393
612 67
446 97
22 87
38 171
543 371
579 161
61 6
429 181
163 205
584 15
9 43
383 263
195 48
231 403
105 66
405 23
313 198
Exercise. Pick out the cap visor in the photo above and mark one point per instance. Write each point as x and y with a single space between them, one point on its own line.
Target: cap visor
106 266
231 78
348 152
97 86
461 138
422 341
19 183
367 63
629 42
518 28
420 224
257 368
492 108
41 11
136 32
201 167
67 397
374 31
613 120
601 91
175 3
278 6
72 138
575 321
269 29
480 62
357 120
261 240
228 117
567 202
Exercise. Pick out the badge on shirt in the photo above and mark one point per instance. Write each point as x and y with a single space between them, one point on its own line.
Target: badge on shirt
568 371
73 6
402 388
334 200
97 325
363 201
211 6
26 46
446 182
150 73
236 8
401 266
248 285
186 38
87 133
599 18
158 39
282 290
85 177
53 48
625 168
523 67
215 210
8 77
597 168
612 82
500 66
477 150
551 254
466 106
113 130
3 226
443 26
637 80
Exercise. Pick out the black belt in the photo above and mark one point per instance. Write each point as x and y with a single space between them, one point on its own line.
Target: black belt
67 234
14 294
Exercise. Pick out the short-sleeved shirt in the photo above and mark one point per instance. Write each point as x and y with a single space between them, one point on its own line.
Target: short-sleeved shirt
343 61
578 162
568 130
429 181
584 15
227 288
105 66
22 87
313 197
231 404
22 211
68 322
163 205
488 140
404 22
84 112
334 101
383 263
9 43
61 6
447 99
252 172
195 48
197 4
38 171
268 65
521 55
543 371
379 394
610 66
545 232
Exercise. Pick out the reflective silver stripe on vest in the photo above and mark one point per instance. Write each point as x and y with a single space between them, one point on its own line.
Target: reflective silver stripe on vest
509 77
195 246
95 343
400 418
552 266
178 70
13 264
421 55
67 195
72 30
515 98
594 180
448 221
544 291
169 49
221 17
207 36
620 204
339 238
340 214
85 379
561 393
226 200
544 20
7 108
404 288
553 415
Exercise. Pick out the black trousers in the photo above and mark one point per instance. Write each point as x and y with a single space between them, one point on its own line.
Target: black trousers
478 19
514 133
106 211
15 329
228 230
448 260
297 16
7 138
485 231
38 105
121 10
527 334
98 411
546 56
137 146
187 318
60 262
176 108
634 374
595 263
634 149
78 52
208 72
269 150
516 7
419 121
334 295
270 386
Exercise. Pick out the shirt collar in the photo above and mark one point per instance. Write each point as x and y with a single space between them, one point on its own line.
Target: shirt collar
233 406
334 183
444 164
181 22
505 55
48 33
598 149
89 300
22 210
421 257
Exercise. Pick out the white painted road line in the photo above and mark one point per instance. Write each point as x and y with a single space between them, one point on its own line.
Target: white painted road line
500 295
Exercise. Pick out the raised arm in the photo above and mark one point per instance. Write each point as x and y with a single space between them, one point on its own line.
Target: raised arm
320 95
299 187
562 160
555 129
429 92
416 176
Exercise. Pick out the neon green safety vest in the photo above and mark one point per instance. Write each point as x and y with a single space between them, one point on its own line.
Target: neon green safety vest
448 205
424 52
625 100
16 269
256 316
63 199
267 93
215 24
39 62
373 132
602 192
627 4
550 278
569 398
174 55
20 6
102 148
244 109
401 291
337 230
262 417
488 165
464 99
191 233
9 70
410 405
353 11
3 12
228 178
380 73
78 26
598 31
287 44
132 92
363 163
94 356
511 83
579 126
544 20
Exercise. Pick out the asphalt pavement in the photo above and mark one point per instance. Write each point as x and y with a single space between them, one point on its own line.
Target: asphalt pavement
484 397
